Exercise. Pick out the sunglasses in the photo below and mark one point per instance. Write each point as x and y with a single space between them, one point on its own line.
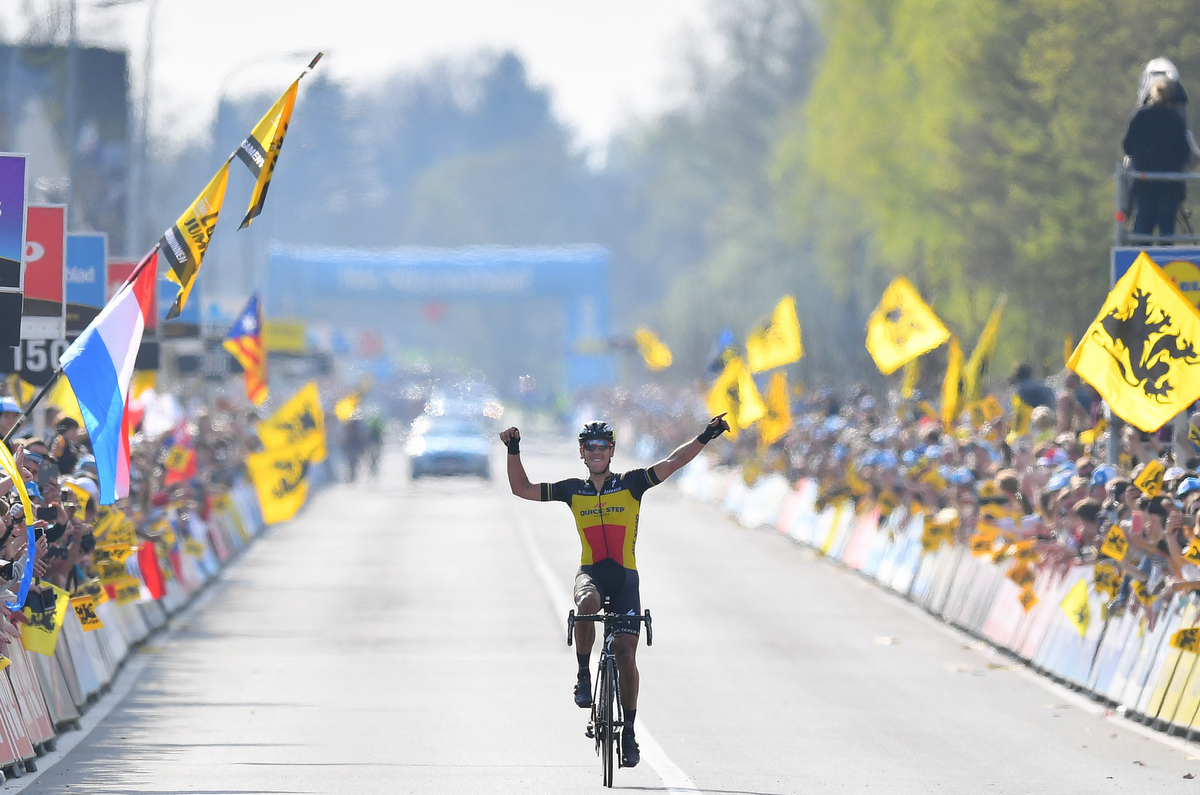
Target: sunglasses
596 444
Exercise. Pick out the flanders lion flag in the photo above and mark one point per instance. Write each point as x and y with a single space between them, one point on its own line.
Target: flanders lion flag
1139 353
902 327
952 387
735 395
654 351
280 477
184 243
300 421
775 341
778 419
981 358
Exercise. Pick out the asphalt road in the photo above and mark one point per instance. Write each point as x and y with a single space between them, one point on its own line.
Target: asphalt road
401 637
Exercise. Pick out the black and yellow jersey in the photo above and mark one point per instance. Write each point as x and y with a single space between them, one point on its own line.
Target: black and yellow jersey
608 521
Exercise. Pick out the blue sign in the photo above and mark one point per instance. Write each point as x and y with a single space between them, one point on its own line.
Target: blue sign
1163 256
86 273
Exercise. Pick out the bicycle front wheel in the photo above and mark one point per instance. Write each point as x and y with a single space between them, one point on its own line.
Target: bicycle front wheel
608 730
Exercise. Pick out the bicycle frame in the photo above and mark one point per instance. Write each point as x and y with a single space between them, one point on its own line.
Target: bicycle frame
608 717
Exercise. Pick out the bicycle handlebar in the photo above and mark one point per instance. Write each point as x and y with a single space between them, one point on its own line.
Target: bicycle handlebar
606 617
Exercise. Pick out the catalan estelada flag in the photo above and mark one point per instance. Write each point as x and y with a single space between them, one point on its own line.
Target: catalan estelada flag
1140 351
245 343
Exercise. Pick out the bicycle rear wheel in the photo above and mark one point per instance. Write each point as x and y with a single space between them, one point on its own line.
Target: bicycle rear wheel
607 729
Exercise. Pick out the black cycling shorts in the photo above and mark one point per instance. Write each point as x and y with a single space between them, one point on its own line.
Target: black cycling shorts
618 583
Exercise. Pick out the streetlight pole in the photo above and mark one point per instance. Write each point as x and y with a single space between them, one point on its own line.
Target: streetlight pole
138 206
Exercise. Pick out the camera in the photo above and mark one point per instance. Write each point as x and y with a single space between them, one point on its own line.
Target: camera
46 513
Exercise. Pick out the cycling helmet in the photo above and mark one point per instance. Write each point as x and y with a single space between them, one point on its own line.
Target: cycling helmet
597 430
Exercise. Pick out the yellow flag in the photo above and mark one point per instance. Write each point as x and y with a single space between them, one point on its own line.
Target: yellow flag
1022 413
734 393
778 419
981 358
1075 606
184 243
953 387
85 611
1187 639
775 341
1150 479
299 421
902 327
1115 544
1028 598
1091 435
45 612
345 408
653 350
912 376
280 477
260 151
9 465
142 380
61 395
1105 579
21 391
1139 353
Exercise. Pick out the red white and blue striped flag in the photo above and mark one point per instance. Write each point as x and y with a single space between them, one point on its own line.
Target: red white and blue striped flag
99 365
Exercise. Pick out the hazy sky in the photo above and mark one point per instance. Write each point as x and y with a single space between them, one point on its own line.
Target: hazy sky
604 60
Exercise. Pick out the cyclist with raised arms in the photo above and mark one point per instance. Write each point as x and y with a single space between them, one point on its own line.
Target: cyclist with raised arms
606 507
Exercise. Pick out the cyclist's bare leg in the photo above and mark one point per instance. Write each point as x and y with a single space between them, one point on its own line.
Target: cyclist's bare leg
587 602
625 647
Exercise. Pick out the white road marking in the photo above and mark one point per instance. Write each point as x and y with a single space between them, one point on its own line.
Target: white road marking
673 777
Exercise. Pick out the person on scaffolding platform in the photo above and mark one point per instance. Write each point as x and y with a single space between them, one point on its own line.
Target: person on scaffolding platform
1156 140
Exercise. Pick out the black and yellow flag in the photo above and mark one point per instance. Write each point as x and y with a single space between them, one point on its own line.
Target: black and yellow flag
280 476
184 243
654 351
1140 351
902 327
1186 639
735 394
981 358
298 423
778 419
775 341
1075 607
953 388
261 149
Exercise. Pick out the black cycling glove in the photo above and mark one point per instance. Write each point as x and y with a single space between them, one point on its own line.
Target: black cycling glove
514 446
711 431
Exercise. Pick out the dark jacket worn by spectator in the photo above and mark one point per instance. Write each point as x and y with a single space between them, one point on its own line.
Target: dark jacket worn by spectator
1156 140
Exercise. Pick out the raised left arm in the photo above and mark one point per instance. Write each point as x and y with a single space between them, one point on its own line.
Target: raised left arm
684 453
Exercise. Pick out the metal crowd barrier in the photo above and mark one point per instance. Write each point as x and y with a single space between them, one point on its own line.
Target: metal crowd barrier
42 696
1118 661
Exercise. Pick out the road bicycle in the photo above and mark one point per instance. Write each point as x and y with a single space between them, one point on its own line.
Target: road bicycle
608 718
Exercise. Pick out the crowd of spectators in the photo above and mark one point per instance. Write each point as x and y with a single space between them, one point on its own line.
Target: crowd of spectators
991 487
1049 486
176 475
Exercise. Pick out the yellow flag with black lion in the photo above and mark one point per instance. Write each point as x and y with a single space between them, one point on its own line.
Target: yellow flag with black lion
1140 352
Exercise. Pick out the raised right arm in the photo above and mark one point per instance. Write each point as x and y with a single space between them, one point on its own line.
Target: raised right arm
518 481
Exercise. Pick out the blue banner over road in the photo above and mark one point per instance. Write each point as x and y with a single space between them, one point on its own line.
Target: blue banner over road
12 246
318 283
